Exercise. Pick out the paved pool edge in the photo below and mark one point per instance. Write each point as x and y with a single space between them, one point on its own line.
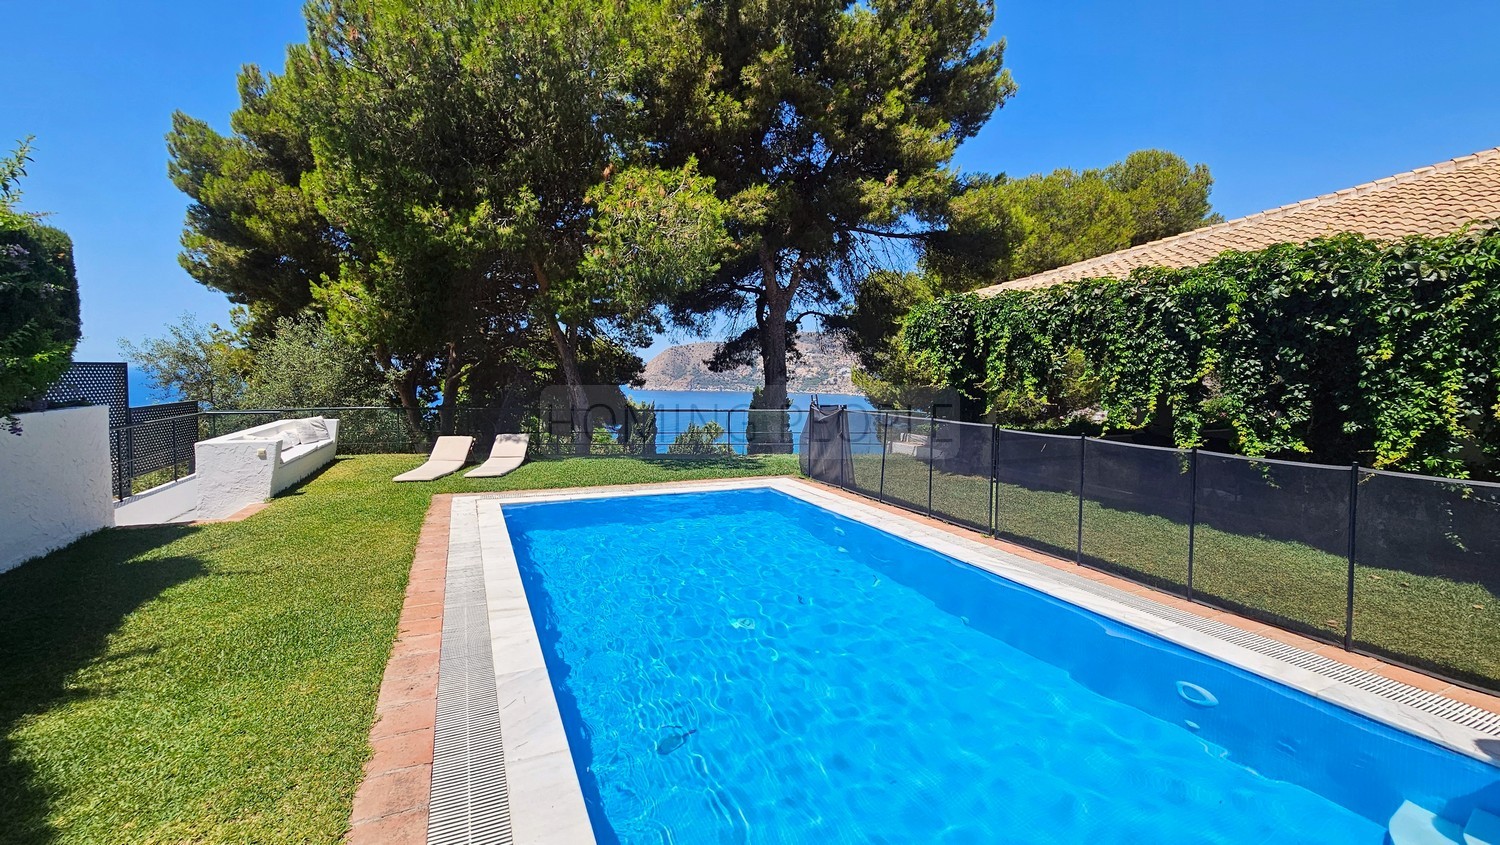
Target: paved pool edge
545 799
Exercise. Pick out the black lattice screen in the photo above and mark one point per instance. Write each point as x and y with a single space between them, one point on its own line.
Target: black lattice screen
161 436
96 383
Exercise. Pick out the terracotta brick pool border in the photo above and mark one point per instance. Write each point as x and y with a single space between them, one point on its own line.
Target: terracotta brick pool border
391 805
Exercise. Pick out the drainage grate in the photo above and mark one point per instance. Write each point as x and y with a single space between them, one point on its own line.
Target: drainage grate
469 803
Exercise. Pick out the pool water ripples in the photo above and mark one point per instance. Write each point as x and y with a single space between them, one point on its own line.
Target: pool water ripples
821 682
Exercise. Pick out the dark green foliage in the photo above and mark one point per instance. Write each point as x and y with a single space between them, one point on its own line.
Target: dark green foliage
1164 195
39 323
459 188
768 428
1340 349
483 161
700 440
252 231
1001 229
823 123
303 364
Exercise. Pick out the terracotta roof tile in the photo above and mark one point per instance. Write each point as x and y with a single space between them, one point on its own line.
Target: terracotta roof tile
1434 200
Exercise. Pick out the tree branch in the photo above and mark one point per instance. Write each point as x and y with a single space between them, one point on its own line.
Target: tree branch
906 236
798 318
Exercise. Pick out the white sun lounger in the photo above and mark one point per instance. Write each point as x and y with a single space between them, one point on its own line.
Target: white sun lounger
507 454
448 456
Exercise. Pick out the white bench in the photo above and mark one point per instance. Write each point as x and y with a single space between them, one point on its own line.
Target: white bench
255 464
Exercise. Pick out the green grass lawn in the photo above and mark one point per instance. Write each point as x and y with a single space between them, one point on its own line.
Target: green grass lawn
217 683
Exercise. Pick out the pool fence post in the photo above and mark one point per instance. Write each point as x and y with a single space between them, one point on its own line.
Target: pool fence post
1353 523
628 411
1192 515
129 462
119 461
994 479
883 434
1083 445
931 438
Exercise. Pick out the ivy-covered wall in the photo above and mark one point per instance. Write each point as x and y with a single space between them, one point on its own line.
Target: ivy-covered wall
1340 349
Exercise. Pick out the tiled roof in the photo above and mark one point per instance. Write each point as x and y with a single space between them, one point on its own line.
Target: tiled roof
1436 200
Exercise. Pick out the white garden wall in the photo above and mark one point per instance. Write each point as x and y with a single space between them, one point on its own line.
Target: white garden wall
253 465
54 482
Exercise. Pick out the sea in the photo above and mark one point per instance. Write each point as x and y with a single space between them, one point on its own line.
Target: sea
734 400
677 409
143 391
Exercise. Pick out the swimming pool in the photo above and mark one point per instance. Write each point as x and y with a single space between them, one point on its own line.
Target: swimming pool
746 667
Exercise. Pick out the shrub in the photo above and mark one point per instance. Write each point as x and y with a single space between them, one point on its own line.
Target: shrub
39 325
639 435
700 440
303 364
768 430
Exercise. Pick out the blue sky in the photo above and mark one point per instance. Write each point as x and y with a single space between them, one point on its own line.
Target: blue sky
1282 100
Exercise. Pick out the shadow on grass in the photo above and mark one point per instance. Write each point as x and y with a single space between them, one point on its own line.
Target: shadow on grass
58 613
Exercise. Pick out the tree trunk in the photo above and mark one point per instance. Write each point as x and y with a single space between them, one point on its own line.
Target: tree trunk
451 372
772 424
578 400
406 389
773 343
564 338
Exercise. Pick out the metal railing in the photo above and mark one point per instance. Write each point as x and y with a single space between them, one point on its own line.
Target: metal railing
672 432
159 451
151 453
1399 566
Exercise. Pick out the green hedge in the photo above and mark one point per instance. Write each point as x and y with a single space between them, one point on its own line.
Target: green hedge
1341 349
39 323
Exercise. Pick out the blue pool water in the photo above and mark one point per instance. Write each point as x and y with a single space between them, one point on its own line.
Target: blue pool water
743 667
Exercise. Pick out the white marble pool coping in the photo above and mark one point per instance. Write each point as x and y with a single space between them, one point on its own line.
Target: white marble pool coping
546 801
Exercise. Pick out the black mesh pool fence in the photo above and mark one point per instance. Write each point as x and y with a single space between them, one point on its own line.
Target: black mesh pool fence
1137 510
906 476
633 431
1427 573
1037 488
825 450
1403 567
1272 541
960 459
867 444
